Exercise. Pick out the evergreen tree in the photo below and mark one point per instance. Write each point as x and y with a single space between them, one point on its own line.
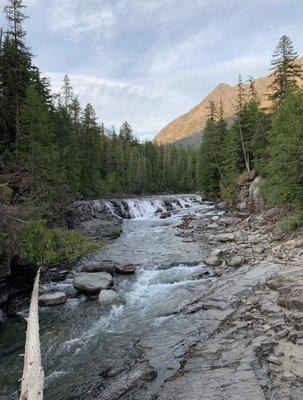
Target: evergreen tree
284 183
286 71
39 155
16 66
67 94
90 154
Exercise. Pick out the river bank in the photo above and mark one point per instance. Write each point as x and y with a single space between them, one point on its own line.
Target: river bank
212 312
251 343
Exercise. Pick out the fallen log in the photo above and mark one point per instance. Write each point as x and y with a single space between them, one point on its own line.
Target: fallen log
32 381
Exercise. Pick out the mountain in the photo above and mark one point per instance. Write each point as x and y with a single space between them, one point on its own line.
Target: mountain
193 122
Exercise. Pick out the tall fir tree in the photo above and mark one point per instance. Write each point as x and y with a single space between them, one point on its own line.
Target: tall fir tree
286 70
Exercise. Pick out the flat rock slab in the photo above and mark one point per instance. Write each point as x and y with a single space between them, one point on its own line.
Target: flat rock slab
92 282
127 381
226 237
52 299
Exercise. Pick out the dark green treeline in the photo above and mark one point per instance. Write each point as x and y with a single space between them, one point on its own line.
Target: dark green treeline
59 146
263 141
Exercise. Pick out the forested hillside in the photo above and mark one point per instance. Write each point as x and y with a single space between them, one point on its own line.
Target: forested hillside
266 141
53 150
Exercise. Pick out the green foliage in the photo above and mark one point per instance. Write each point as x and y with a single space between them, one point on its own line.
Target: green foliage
44 246
284 184
5 192
285 70
291 224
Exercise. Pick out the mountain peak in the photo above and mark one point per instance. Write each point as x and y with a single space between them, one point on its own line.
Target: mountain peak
194 120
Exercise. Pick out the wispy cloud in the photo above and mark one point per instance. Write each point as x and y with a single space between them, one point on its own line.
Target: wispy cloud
76 20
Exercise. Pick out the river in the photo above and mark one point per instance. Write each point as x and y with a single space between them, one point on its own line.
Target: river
80 340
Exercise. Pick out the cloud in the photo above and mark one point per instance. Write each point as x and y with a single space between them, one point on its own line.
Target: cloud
77 19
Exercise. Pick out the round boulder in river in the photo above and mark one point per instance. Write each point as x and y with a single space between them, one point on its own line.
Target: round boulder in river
212 260
52 299
92 282
108 297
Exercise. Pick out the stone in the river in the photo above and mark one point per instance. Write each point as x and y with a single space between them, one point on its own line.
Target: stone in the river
108 297
217 272
92 282
52 299
213 261
125 269
226 237
165 215
101 266
100 228
235 261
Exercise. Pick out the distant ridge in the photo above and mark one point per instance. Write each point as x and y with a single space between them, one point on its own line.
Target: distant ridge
194 121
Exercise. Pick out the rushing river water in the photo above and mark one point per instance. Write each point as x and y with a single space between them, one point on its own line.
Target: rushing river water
80 339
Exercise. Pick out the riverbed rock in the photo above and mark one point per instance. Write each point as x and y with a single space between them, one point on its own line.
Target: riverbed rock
92 282
212 261
52 299
217 272
165 215
226 237
128 381
109 297
102 228
125 268
235 261
100 266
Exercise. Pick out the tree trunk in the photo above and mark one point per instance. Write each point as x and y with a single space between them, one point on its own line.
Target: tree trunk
32 381
246 159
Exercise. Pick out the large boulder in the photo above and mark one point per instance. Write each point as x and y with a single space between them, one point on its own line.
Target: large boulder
109 297
92 282
235 261
100 266
52 299
212 260
125 268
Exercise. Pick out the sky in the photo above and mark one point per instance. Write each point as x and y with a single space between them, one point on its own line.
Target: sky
149 61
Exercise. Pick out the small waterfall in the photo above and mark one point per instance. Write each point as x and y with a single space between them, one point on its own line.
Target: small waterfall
138 208
150 208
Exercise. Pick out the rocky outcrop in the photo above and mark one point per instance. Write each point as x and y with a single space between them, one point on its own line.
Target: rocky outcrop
127 381
101 228
256 197
92 282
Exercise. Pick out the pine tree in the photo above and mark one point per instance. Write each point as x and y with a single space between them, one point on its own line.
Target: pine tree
284 183
16 58
286 71
66 93
91 181
39 155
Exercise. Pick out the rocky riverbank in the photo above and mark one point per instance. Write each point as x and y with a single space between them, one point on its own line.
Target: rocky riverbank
251 332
